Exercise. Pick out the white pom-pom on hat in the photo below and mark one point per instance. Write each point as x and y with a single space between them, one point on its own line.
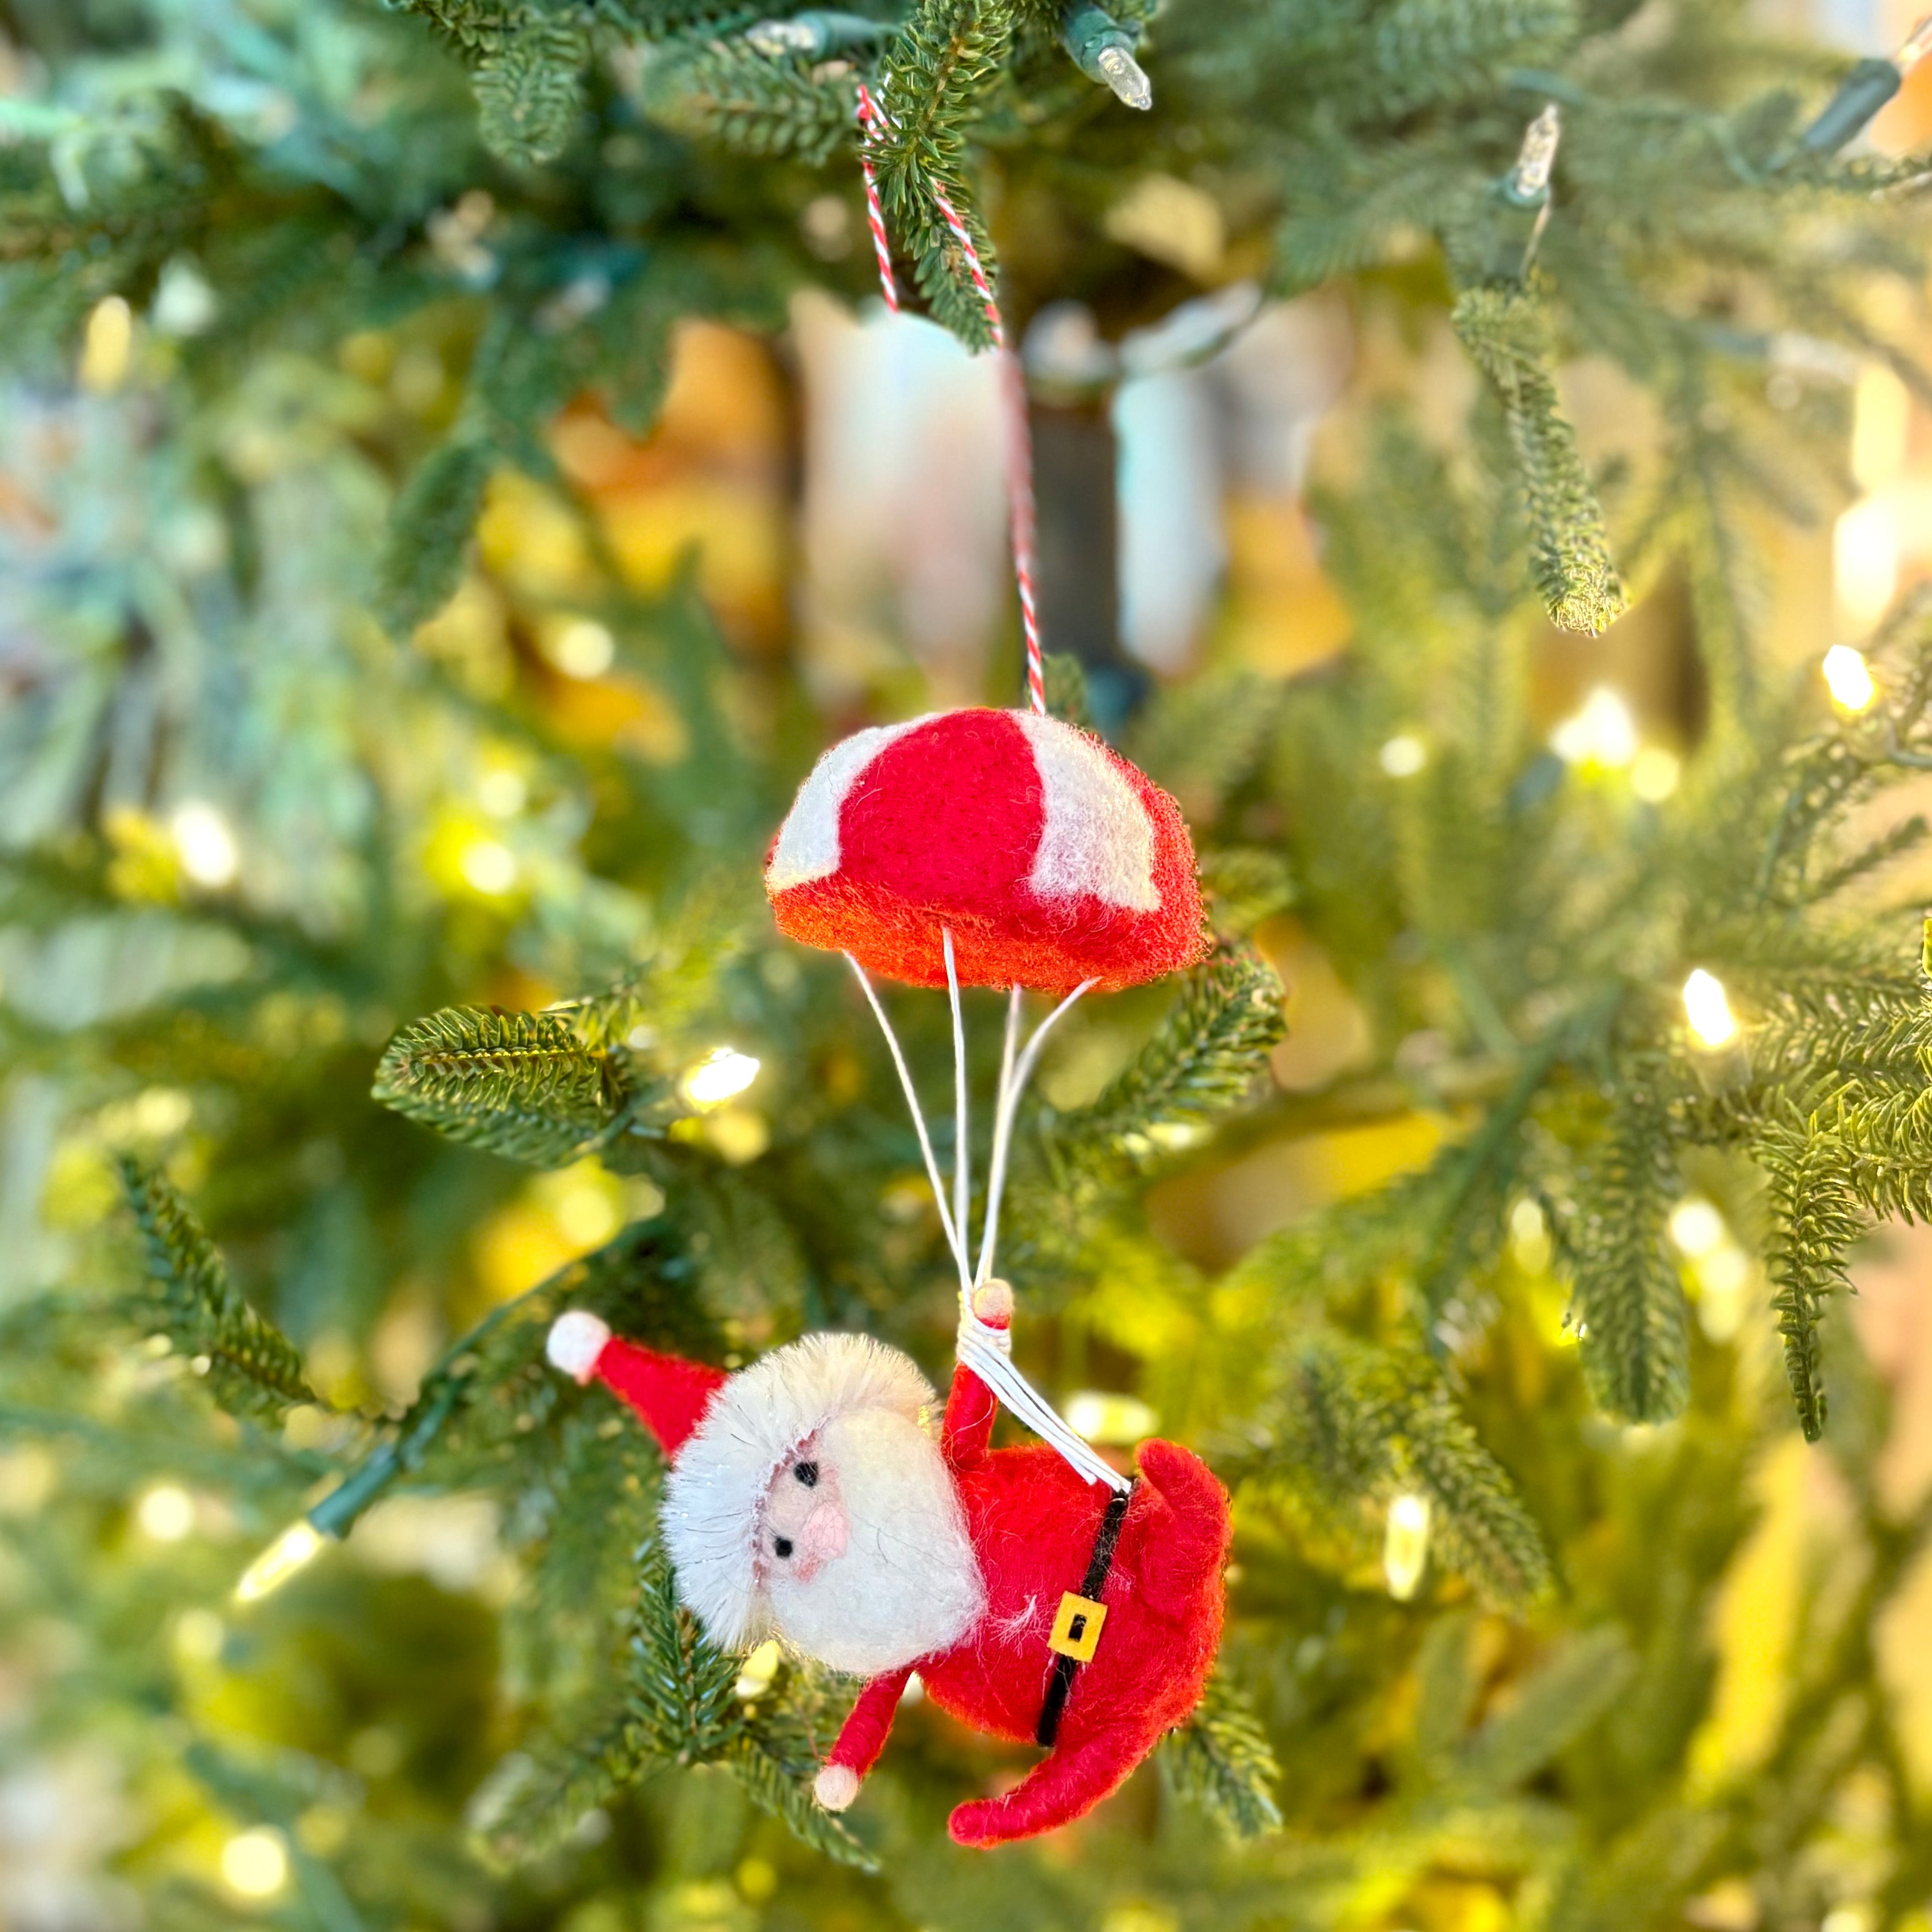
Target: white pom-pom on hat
836 1786
577 1339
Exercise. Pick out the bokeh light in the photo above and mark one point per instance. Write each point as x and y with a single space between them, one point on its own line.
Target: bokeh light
1708 1007
718 1076
203 837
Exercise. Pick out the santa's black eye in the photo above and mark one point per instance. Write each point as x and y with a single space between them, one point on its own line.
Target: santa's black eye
781 1545
807 1473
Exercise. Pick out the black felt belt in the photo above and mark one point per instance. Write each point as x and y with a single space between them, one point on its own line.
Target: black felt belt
1099 1567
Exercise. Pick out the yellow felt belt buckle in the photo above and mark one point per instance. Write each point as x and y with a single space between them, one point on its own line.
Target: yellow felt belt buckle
1076 1629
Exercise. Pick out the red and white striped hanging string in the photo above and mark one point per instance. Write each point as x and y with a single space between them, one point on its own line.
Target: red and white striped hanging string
873 123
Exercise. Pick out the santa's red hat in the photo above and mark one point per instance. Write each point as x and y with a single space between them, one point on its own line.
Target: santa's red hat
1049 858
727 1436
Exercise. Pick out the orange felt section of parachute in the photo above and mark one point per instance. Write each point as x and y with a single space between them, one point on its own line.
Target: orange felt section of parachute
939 833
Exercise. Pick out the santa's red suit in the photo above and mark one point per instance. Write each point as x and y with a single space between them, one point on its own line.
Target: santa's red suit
1032 1522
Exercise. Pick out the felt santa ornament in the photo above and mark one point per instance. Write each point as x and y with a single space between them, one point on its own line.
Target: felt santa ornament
810 1499
1041 1595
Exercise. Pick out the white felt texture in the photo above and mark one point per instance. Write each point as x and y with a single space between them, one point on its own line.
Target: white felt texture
836 1786
907 1583
715 1493
807 842
1097 839
577 1339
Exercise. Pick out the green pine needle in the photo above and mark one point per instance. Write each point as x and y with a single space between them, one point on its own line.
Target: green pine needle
1221 1761
1817 1220
1629 1300
1507 333
529 90
729 92
944 61
524 1085
1205 1058
429 536
251 1368
1355 1425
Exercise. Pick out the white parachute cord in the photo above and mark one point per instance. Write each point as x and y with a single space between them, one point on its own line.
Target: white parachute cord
953 1240
987 1352
1010 1091
962 1136
996 1173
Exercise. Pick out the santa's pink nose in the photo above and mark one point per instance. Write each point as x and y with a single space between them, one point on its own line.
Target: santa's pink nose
819 1538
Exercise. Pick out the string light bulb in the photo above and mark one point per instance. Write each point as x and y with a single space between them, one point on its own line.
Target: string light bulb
1125 76
1103 50
719 1076
1848 677
296 1547
1406 1544
107 345
1708 1007
1537 159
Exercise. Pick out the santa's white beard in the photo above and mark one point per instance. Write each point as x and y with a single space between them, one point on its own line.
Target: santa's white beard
908 1583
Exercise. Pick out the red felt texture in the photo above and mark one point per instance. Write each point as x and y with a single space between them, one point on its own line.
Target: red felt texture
666 1393
940 833
1033 1521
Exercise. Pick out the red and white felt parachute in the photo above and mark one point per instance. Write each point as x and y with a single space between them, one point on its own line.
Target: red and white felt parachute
1051 860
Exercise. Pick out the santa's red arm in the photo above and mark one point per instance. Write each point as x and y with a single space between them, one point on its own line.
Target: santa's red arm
861 1738
971 1406
863 1735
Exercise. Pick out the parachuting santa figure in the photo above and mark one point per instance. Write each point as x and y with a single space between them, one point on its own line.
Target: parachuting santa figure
815 1496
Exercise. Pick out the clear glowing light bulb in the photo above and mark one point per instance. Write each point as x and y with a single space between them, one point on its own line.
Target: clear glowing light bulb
1708 1007
1848 677
718 1076
1405 1545
1125 76
297 1546
1537 159
106 345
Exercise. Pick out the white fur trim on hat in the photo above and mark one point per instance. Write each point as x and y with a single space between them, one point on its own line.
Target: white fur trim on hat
716 1487
577 1339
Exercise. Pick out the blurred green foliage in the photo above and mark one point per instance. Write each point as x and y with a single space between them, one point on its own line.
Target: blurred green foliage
329 273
